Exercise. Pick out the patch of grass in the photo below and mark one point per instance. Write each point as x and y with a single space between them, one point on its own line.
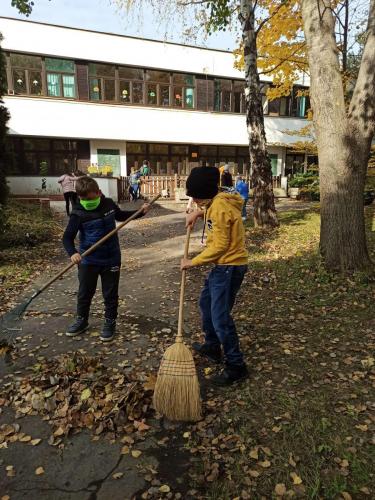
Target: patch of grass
26 247
308 336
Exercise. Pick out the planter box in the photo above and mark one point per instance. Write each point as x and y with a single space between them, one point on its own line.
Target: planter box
293 193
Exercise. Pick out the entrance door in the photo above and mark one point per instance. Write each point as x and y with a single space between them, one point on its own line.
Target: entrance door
110 157
273 159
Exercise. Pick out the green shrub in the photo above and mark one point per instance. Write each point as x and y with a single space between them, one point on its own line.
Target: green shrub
302 180
310 193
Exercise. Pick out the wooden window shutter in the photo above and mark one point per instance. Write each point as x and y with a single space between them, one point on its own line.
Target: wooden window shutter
82 81
205 94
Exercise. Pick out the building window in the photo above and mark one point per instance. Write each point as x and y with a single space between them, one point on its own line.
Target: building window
34 155
164 95
189 97
102 82
183 90
239 97
157 76
137 93
26 73
177 97
35 83
130 73
60 78
300 102
124 91
223 95
95 89
19 81
152 94
109 90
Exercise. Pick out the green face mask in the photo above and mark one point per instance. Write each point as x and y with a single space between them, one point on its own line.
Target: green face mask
90 204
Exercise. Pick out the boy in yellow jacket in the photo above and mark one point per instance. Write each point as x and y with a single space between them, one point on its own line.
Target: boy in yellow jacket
226 250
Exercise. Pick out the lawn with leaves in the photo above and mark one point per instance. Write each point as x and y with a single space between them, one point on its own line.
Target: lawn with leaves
303 425
26 248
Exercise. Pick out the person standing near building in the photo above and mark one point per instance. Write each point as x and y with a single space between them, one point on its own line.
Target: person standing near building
242 189
134 184
226 180
227 252
67 182
93 218
145 169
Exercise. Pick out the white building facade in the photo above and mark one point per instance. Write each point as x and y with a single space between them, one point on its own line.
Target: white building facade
79 98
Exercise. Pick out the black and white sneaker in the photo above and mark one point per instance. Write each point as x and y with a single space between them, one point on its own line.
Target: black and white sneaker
109 330
79 326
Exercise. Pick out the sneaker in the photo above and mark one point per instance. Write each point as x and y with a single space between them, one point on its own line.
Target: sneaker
79 326
230 375
208 352
109 330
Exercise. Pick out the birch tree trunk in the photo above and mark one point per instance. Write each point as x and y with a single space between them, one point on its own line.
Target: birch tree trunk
343 138
264 203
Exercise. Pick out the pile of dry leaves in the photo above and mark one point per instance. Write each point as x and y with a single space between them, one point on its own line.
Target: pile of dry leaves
77 392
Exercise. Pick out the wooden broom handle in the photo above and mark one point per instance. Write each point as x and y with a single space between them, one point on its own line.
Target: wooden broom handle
94 246
182 289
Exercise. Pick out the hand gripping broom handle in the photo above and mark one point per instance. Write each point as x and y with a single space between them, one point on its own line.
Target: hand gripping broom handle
182 290
92 248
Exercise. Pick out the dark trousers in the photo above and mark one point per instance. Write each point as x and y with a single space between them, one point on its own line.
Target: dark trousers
71 197
88 279
134 191
216 303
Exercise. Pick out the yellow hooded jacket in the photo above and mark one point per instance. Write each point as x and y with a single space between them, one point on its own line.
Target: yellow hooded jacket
225 232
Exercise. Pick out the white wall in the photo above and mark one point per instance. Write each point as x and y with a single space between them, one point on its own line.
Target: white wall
59 118
26 36
98 144
32 185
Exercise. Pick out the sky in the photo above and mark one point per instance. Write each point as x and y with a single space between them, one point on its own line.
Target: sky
102 15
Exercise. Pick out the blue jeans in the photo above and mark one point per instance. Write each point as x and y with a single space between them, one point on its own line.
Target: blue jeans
216 303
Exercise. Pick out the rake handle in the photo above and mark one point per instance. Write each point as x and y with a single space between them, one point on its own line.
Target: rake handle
182 289
94 247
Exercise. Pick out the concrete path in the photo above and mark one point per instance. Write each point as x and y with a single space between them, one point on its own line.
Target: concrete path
83 469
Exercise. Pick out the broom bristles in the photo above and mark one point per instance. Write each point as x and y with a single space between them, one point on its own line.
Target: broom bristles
177 393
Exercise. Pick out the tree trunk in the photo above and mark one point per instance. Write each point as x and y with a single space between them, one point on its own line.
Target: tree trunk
343 148
264 203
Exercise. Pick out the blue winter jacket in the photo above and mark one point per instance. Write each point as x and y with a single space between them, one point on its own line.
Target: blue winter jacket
92 225
242 189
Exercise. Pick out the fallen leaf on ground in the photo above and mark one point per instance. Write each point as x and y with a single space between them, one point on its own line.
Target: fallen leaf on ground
136 453
34 442
39 471
164 488
280 489
296 478
117 475
86 393
265 464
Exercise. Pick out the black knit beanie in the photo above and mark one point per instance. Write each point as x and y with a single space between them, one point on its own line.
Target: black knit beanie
203 182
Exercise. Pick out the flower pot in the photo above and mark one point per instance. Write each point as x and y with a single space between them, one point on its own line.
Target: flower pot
293 192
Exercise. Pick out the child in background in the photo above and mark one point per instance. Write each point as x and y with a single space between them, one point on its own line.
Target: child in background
226 250
67 182
242 189
94 217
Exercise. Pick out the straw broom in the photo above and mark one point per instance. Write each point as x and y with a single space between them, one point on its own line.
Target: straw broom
177 394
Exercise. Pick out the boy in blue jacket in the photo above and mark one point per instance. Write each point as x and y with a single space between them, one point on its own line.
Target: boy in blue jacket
93 217
242 189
